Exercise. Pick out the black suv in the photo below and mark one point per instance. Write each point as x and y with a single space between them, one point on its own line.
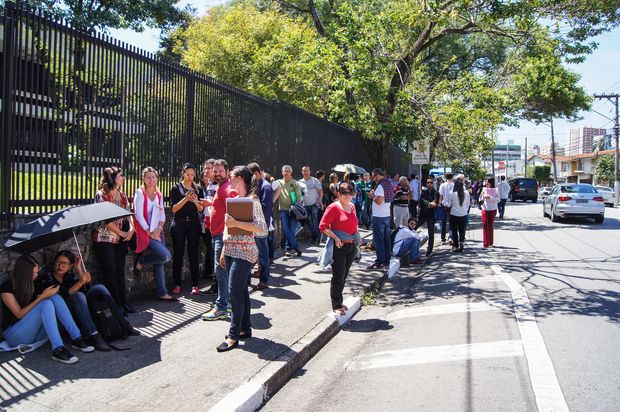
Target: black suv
524 189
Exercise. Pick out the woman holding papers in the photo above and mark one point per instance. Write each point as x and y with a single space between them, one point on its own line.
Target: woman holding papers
339 223
149 219
244 220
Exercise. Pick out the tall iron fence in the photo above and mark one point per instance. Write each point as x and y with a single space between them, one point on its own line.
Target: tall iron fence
74 103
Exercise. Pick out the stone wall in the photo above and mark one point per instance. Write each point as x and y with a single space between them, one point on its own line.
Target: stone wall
136 286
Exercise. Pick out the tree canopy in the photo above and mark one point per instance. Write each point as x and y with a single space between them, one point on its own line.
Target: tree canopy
446 71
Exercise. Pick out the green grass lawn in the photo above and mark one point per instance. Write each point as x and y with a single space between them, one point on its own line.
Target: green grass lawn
63 189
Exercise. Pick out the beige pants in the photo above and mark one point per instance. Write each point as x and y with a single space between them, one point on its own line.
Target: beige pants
401 215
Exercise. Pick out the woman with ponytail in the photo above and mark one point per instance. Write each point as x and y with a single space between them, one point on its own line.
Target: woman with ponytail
239 255
458 202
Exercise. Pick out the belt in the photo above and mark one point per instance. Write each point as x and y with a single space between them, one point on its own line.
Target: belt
401 205
348 241
186 219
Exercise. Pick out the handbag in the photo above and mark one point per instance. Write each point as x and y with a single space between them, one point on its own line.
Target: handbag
131 243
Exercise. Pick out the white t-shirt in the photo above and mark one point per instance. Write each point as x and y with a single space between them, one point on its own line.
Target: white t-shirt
491 203
210 192
382 210
504 189
444 191
456 209
312 187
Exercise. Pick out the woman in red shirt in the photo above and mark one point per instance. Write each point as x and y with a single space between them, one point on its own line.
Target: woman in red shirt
339 223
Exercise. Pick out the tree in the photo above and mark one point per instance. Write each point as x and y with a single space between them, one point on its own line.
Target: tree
604 171
546 90
540 173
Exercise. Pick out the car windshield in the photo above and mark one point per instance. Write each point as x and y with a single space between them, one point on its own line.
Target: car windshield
578 189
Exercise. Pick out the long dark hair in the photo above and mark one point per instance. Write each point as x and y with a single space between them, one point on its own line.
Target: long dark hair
108 179
251 184
22 279
187 166
458 188
492 181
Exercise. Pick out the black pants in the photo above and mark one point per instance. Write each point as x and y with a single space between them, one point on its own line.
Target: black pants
430 222
413 208
185 232
111 259
457 226
208 271
343 259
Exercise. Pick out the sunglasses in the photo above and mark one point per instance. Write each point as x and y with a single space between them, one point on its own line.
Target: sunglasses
345 193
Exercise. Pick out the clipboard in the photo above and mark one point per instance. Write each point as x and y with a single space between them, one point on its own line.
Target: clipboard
242 209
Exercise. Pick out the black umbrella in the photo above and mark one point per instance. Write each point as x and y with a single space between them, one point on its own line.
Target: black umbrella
62 225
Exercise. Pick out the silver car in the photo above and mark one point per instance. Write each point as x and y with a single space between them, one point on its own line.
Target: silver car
607 193
574 200
544 192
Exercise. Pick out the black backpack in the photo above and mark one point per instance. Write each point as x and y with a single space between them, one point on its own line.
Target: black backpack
109 326
393 235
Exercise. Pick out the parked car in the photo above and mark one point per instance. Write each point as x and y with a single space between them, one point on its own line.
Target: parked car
608 193
523 188
574 200
543 192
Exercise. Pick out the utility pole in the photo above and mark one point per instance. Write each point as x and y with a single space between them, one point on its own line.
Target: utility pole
525 162
614 99
555 169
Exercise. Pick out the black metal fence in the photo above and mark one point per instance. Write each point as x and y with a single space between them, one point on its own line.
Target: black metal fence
74 103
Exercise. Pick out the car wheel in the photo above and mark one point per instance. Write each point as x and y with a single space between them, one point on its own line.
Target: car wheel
544 211
599 219
554 218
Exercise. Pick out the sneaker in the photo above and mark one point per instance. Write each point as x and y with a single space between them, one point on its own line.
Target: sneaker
215 314
288 253
211 291
375 266
79 344
195 290
99 344
454 248
61 354
262 286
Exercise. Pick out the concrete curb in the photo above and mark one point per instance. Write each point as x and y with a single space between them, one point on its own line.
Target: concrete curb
252 394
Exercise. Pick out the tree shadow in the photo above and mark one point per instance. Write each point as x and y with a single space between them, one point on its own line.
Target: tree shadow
367 325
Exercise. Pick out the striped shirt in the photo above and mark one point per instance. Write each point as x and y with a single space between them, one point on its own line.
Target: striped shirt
244 246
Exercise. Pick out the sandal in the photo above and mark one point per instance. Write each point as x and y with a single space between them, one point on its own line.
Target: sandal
195 290
176 290
340 311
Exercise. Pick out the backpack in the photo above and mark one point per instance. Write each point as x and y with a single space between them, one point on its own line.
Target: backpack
298 212
393 234
388 190
109 326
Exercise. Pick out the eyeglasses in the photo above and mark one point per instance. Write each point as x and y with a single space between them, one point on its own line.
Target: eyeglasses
63 263
430 182
346 193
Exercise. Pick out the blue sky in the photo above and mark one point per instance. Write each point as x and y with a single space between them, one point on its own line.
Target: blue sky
600 73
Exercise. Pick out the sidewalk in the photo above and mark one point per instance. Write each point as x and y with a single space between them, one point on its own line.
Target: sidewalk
175 364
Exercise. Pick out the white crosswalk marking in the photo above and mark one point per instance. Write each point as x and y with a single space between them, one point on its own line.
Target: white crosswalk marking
446 309
434 354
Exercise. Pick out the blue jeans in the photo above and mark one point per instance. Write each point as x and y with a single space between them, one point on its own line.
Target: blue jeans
501 207
221 274
381 239
43 320
410 245
262 243
365 215
238 275
270 243
159 255
444 223
288 227
78 304
313 215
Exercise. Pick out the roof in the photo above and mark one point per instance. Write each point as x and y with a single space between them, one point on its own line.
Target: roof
575 157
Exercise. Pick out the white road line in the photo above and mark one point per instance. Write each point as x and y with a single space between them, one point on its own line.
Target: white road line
449 308
549 396
452 281
435 354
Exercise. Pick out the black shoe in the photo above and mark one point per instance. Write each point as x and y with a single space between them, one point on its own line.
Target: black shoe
61 354
375 266
224 346
134 332
99 343
298 252
128 309
79 344
288 253
243 336
428 254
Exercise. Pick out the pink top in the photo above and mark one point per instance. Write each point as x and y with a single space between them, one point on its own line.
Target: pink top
490 204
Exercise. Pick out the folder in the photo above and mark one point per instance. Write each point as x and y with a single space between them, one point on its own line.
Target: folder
242 209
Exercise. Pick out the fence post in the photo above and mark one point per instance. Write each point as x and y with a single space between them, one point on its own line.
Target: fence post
7 110
190 96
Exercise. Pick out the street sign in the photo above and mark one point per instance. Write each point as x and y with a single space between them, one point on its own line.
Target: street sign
501 165
421 153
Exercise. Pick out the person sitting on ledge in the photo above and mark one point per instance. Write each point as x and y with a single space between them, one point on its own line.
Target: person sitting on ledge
28 318
76 290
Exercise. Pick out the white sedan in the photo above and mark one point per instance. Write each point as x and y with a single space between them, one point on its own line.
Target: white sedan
574 200
608 193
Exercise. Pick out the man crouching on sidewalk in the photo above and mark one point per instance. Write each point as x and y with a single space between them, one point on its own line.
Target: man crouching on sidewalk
407 241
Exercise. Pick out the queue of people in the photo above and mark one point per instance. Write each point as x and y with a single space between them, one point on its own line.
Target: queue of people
35 301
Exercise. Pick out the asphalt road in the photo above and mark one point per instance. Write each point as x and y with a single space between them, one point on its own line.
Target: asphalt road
458 333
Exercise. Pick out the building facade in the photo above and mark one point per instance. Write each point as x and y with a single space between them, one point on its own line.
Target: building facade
581 140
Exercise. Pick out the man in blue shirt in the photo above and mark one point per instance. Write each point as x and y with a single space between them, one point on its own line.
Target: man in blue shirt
265 195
